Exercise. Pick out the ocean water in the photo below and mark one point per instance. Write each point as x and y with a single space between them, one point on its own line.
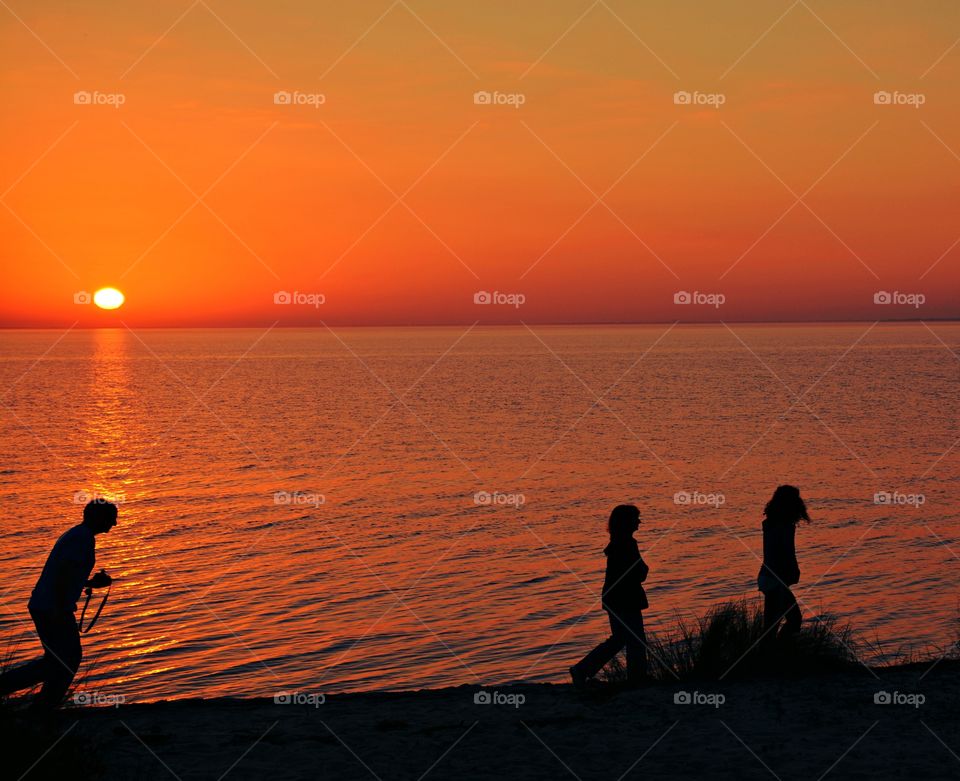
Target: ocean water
415 507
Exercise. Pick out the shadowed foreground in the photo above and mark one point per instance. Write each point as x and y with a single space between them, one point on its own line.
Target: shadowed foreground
801 728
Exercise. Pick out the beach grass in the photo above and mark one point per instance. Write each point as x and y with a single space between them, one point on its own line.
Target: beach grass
728 643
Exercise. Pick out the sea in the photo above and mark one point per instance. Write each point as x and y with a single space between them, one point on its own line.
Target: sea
350 509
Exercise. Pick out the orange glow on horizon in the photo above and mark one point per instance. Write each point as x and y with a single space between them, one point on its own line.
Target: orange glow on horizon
396 173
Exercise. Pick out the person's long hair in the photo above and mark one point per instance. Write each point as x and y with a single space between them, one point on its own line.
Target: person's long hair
622 520
786 506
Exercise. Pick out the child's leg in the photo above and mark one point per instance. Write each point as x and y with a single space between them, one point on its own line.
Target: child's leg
792 614
594 661
635 640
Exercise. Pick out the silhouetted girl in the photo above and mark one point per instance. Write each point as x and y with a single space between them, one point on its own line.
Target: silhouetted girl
780 570
623 598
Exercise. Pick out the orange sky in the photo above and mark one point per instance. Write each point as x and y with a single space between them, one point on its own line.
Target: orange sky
201 198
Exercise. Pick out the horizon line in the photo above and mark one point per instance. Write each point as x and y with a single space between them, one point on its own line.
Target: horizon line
462 324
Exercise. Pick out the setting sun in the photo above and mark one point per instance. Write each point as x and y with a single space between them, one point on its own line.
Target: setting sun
108 298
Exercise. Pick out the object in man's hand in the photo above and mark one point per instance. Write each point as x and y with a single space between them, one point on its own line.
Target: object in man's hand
100 580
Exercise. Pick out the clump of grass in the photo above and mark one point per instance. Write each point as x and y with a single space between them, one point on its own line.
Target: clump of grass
728 643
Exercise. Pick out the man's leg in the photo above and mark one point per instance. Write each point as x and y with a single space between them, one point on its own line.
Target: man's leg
62 654
26 675
594 661
23 676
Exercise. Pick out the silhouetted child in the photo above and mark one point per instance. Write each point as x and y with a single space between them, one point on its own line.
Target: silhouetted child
623 598
53 602
779 570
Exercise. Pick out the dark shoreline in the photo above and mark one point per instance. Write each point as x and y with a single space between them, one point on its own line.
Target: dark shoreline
785 728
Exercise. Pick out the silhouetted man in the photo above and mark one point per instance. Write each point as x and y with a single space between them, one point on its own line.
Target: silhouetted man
53 603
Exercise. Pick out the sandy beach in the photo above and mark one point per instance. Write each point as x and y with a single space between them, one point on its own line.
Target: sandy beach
804 728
